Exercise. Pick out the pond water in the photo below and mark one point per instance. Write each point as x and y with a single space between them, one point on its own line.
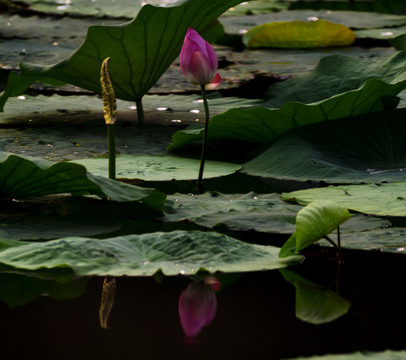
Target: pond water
255 317
359 306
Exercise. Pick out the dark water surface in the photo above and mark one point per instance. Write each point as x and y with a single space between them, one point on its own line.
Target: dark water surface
255 317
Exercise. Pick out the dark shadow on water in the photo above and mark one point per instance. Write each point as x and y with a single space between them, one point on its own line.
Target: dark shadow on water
255 317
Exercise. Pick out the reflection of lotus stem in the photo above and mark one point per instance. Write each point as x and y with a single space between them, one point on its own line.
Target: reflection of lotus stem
140 111
205 131
112 151
337 247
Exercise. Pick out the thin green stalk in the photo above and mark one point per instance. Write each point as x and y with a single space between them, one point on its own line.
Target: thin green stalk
205 131
112 151
140 111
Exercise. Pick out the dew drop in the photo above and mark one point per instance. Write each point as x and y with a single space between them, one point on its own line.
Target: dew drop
195 111
387 33
21 97
312 18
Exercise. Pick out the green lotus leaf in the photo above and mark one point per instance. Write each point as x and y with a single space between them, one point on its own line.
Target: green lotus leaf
21 178
348 86
178 252
140 50
158 168
313 222
376 199
363 149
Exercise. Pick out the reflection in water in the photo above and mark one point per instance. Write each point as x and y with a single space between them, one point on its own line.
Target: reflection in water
198 306
107 300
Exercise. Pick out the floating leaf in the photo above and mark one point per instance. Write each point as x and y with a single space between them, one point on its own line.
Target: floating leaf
392 239
363 149
22 178
314 303
259 212
314 222
177 252
299 34
158 168
383 199
140 50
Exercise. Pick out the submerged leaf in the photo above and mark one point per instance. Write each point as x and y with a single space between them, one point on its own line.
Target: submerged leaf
299 34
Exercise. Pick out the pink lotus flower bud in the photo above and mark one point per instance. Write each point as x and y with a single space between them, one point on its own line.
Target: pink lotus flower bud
198 60
197 308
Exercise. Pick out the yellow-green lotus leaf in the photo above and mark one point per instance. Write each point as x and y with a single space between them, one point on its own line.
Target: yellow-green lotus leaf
299 34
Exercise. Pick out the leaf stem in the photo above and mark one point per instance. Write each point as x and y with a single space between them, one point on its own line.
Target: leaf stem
112 150
205 131
140 111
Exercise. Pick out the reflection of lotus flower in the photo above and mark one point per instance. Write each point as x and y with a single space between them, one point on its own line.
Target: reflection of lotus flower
197 308
198 61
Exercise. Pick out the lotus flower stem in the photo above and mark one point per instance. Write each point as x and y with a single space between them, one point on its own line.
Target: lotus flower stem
205 132
112 151
140 112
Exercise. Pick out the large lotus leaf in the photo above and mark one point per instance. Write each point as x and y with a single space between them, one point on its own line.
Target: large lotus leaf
245 212
263 125
262 213
365 355
349 86
177 252
140 50
158 168
314 303
364 149
375 199
299 34
335 75
21 178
